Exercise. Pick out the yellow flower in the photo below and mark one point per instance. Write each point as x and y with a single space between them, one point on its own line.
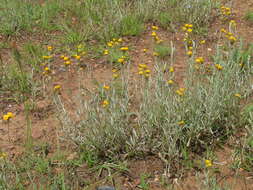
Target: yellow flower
202 41
114 70
65 58
147 71
208 163
49 48
106 87
184 28
147 75
153 34
46 69
238 95
190 25
105 103
120 40
144 50
106 52
144 66
154 27
171 70
232 39
232 22
140 72
189 30
189 53
121 60
3 155
218 66
180 91
57 87
110 44
77 57
46 56
67 63
124 48
186 25
170 81
223 30
190 48
199 60
181 123
8 116
155 54
115 75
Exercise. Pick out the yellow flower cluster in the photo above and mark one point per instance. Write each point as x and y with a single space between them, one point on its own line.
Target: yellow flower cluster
115 74
155 36
230 36
218 66
143 70
8 116
114 42
226 11
187 28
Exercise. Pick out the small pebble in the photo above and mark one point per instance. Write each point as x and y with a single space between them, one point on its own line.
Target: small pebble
105 188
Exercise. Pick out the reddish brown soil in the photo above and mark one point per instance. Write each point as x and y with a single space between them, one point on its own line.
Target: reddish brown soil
46 128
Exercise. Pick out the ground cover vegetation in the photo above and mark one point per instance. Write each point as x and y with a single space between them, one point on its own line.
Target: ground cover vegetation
112 105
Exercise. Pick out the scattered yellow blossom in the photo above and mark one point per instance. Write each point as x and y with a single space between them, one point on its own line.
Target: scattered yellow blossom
180 91
155 54
120 40
8 116
106 52
3 155
141 72
208 163
153 34
114 70
189 30
65 58
238 95
46 56
181 122
49 48
189 53
154 27
202 42
105 103
144 66
110 44
171 70
124 48
57 87
67 62
170 81
218 66
106 87
115 75
121 60
144 50
199 60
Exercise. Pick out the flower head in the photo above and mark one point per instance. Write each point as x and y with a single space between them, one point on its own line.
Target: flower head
106 87
218 66
57 87
105 103
208 163
170 82
238 95
124 48
154 27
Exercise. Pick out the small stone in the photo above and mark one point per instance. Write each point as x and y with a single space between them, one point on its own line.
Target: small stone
105 188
